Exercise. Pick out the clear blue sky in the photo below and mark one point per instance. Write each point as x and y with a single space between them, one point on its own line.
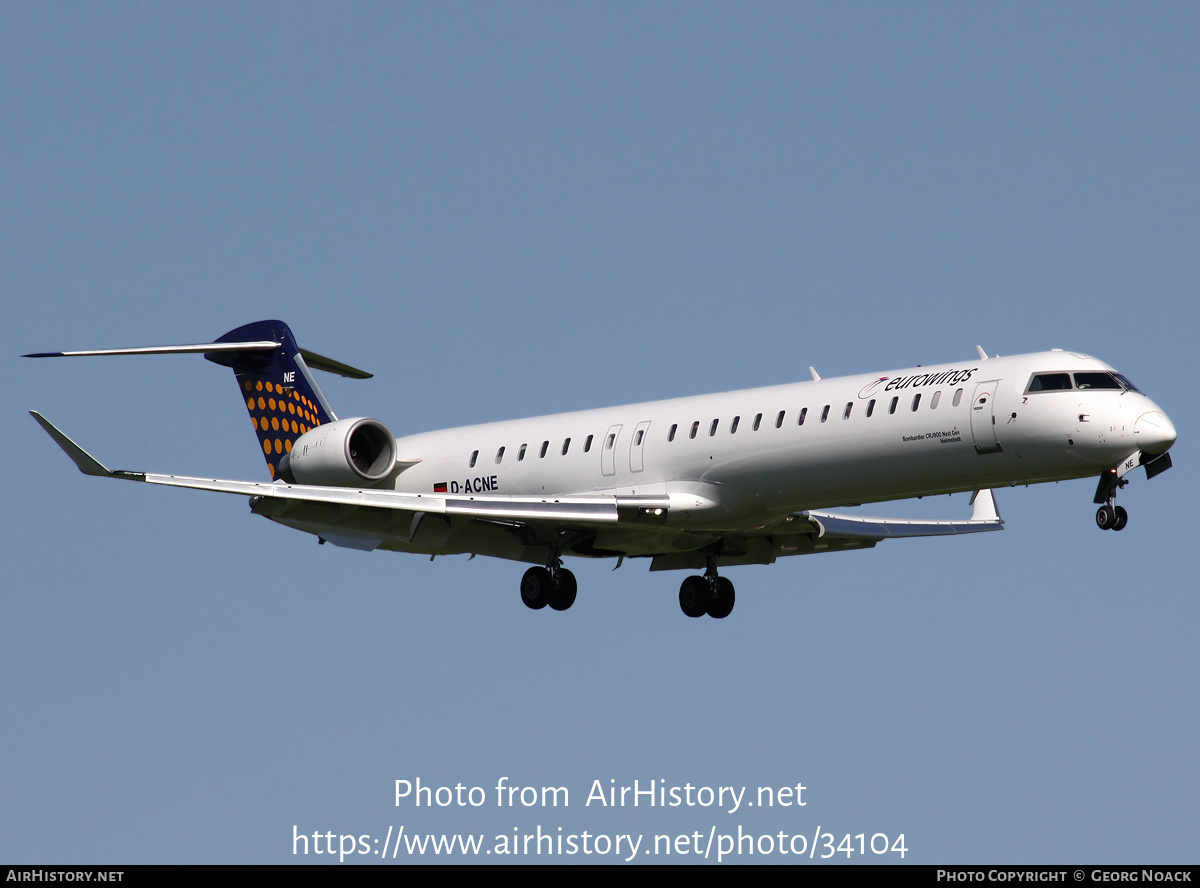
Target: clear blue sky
507 210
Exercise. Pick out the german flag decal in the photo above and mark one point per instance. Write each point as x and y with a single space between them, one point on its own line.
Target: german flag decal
439 487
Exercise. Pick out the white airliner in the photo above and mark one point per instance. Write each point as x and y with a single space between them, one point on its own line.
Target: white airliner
704 482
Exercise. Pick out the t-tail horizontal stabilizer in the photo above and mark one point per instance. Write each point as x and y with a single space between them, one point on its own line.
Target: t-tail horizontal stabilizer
311 358
201 348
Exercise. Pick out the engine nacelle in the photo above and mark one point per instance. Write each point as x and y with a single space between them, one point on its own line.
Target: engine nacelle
347 453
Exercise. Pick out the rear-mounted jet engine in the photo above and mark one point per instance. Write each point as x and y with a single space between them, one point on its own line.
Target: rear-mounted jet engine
346 453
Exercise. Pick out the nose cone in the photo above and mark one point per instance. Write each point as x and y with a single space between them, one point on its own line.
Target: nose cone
1153 432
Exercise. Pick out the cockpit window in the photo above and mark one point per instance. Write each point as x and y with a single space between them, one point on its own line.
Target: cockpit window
1096 381
1125 382
1050 382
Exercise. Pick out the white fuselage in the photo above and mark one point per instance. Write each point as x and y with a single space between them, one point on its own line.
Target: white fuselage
937 429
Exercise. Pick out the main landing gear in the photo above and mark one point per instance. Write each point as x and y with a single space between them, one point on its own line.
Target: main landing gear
709 594
1110 516
552 585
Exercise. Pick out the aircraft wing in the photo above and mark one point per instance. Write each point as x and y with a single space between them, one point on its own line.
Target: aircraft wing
811 532
588 510
984 516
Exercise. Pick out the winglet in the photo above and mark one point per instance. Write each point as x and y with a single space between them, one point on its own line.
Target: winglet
87 463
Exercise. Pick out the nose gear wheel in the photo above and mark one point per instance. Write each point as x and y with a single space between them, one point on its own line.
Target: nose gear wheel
1110 516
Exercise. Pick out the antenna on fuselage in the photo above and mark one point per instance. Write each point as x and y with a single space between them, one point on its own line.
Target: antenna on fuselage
982 353
816 376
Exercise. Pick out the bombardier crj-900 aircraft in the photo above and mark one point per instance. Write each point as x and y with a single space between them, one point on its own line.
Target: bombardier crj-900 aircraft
702 483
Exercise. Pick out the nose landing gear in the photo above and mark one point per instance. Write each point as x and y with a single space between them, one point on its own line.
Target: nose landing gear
1110 516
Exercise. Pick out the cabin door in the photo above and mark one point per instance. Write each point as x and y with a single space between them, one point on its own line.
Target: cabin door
983 417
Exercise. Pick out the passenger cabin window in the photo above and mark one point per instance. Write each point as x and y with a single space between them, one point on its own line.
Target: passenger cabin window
916 402
637 442
499 455
779 419
566 446
521 452
825 413
757 421
612 439
545 446
957 397
733 425
937 396
712 429
846 412
803 413
695 428
870 406
1096 381
895 401
587 445
474 456
671 434
1050 382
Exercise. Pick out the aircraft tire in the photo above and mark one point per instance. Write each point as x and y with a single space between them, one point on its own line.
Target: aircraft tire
563 595
693 596
1121 520
722 605
536 588
1106 517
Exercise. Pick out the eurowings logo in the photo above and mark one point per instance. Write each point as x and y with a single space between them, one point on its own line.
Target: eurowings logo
866 390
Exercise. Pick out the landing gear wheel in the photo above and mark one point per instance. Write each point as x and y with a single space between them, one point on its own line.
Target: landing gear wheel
563 594
721 605
693 596
1121 520
536 587
1106 517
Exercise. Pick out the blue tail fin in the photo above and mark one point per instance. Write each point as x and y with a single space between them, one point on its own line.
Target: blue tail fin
277 387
